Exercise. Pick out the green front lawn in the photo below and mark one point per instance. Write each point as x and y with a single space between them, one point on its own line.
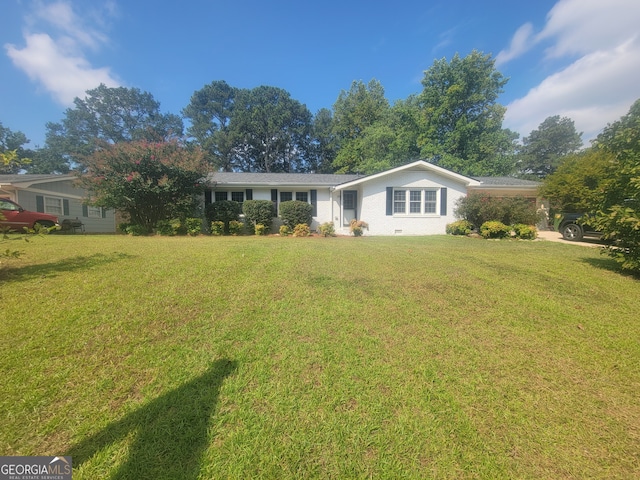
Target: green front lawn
247 357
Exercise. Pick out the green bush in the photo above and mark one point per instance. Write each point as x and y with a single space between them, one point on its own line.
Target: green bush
301 230
258 212
479 208
285 231
194 226
460 227
223 211
217 228
295 212
327 230
136 230
525 232
235 227
495 229
260 229
164 227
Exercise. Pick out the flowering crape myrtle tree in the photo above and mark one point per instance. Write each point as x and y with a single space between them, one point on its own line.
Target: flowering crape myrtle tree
148 182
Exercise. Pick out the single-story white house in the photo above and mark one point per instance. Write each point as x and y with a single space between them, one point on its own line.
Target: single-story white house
414 199
57 195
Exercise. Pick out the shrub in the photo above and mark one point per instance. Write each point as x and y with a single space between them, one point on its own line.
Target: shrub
295 212
460 227
479 208
357 226
525 232
223 211
260 229
301 230
136 230
164 227
194 226
285 231
258 212
327 230
217 228
235 227
493 229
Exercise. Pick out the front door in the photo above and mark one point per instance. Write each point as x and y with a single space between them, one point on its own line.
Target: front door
349 206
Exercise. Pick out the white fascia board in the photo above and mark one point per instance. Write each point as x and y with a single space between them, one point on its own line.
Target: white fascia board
419 163
27 183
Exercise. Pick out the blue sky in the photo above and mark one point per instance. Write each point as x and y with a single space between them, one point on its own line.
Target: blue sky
575 58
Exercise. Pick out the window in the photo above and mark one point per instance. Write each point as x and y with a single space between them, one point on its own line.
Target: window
430 201
415 199
415 202
53 206
286 196
221 196
399 201
94 212
302 197
237 197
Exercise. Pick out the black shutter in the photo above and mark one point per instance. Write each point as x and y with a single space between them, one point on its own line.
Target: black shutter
104 212
314 203
207 197
85 211
389 200
443 202
249 193
65 206
39 203
274 199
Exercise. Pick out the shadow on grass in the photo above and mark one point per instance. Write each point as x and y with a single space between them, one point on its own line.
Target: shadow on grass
608 263
170 434
20 273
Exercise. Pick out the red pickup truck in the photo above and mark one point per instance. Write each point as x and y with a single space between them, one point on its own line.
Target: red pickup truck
14 217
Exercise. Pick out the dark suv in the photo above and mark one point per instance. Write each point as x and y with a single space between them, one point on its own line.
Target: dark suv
571 228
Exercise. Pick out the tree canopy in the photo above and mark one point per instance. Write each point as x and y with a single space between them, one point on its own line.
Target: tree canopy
111 115
461 121
13 156
617 209
543 150
146 181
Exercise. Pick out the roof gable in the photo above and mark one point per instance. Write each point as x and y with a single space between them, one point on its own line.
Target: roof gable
419 165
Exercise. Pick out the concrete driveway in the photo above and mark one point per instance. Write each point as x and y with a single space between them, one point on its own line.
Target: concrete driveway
551 236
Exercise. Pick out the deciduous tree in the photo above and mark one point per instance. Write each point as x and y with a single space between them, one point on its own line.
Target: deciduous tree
111 115
146 181
461 121
617 211
543 150
13 156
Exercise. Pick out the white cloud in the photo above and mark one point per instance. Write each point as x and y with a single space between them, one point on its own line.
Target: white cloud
55 52
598 82
520 43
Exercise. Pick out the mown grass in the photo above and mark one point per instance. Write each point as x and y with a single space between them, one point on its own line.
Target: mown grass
435 357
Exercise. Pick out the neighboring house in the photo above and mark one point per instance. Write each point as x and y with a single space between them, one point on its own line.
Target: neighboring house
57 195
414 199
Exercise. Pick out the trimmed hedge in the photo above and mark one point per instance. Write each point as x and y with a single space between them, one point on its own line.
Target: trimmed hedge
223 211
258 212
295 212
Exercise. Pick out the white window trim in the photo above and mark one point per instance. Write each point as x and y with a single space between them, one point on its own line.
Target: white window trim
59 212
293 195
407 202
94 212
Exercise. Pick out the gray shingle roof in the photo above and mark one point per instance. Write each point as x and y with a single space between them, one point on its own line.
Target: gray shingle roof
30 177
320 179
506 182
